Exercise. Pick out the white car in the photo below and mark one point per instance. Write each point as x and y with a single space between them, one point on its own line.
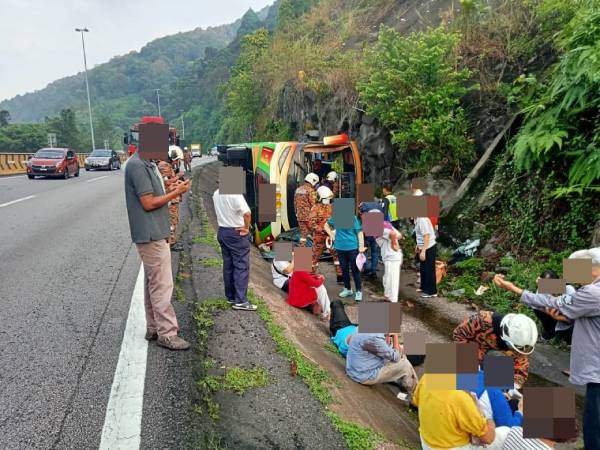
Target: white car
196 154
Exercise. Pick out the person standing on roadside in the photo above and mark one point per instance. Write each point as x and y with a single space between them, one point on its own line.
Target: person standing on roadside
233 217
147 201
168 175
187 160
426 252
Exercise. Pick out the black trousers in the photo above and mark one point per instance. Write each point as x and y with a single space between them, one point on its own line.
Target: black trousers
427 270
338 319
591 416
549 327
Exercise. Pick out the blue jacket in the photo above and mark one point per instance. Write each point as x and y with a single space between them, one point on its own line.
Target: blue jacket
502 414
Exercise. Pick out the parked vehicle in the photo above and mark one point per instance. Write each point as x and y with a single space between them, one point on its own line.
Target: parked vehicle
196 154
53 162
103 159
285 164
196 150
131 139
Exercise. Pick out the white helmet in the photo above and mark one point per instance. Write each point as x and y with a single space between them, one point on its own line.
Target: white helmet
332 176
312 178
324 192
519 332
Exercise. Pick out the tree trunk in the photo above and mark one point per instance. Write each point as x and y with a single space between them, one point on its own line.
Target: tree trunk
477 170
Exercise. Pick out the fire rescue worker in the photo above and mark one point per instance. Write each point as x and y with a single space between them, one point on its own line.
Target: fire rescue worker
170 177
187 160
304 200
514 335
331 181
319 214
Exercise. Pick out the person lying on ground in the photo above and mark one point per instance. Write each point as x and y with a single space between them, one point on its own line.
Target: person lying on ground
450 419
340 327
392 263
307 290
514 335
494 405
583 307
348 243
282 272
371 360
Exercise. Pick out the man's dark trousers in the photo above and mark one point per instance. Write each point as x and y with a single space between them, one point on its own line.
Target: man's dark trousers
236 263
591 416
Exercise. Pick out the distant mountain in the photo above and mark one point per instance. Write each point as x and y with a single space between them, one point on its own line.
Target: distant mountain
125 82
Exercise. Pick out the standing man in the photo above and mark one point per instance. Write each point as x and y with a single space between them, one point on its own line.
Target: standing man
187 159
233 217
147 201
320 213
304 200
168 175
390 211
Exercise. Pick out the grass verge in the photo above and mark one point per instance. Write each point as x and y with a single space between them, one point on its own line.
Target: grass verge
357 437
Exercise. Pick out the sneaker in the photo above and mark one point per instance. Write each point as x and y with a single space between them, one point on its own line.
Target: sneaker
358 296
231 302
173 342
244 306
151 335
428 295
346 293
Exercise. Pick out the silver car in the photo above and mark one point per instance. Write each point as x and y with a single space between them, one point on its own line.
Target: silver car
103 159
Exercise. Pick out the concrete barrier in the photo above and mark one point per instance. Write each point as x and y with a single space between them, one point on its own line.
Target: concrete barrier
16 163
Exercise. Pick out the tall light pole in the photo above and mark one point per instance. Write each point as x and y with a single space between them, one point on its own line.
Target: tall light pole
87 86
158 100
182 125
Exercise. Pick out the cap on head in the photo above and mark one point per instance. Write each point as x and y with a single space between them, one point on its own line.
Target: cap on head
332 176
519 332
312 178
324 192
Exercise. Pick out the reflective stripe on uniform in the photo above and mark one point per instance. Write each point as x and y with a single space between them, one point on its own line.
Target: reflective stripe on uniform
392 207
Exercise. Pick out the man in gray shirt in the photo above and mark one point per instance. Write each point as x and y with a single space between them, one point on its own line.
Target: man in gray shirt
582 307
147 207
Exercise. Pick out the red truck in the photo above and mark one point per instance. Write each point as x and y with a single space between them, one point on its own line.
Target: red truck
131 139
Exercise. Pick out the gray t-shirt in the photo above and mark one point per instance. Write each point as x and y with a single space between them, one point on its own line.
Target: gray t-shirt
141 178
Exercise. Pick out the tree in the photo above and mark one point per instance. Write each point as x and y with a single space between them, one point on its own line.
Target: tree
65 127
4 118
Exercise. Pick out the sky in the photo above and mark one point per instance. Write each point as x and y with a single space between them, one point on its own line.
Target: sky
39 43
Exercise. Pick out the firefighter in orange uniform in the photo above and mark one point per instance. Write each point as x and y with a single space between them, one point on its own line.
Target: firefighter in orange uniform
304 200
319 214
169 177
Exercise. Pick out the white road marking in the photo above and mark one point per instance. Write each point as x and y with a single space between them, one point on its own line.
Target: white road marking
17 201
96 179
123 422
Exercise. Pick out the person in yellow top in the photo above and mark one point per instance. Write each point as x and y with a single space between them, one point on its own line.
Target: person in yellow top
449 419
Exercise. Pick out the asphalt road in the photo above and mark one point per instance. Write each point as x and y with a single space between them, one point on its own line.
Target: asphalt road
67 273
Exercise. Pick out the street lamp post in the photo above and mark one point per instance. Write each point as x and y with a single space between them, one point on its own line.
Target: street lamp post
182 125
87 86
158 100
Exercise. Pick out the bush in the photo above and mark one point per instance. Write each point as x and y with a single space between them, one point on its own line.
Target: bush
414 88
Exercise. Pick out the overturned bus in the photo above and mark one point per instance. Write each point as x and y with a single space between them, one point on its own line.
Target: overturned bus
285 164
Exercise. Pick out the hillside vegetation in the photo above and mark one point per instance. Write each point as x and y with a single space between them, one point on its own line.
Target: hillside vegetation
424 87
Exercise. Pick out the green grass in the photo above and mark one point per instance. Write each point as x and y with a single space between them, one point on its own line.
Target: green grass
211 262
239 380
357 437
331 348
179 294
314 376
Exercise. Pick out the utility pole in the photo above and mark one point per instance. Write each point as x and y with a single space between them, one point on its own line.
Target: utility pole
158 99
182 125
87 86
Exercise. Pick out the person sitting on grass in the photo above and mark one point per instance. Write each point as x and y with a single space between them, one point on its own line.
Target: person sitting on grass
452 419
282 272
371 360
494 405
307 290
